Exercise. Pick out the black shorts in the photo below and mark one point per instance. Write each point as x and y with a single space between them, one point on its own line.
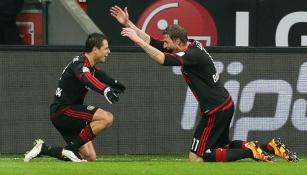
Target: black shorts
213 129
70 120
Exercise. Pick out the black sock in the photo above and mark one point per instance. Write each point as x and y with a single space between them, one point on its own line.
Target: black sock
237 144
52 151
227 155
237 154
75 144
85 135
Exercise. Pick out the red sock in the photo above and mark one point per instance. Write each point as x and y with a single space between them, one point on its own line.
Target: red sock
87 134
221 155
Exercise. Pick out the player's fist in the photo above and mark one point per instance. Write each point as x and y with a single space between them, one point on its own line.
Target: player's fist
110 95
118 87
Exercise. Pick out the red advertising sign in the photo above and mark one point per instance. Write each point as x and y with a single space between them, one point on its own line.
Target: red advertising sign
30 24
187 13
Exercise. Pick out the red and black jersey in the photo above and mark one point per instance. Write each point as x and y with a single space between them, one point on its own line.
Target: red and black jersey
199 72
76 79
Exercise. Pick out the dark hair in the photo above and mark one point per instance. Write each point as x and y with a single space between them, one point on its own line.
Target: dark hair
176 32
94 40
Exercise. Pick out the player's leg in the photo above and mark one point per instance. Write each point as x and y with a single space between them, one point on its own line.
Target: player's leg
87 151
197 148
78 125
277 147
224 139
211 138
254 146
75 125
224 149
99 121
40 148
206 141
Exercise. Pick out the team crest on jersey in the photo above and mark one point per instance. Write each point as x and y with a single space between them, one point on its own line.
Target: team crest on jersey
85 69
90 107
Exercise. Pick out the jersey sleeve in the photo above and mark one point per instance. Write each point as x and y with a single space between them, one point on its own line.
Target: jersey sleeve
103 77
82 72
179 59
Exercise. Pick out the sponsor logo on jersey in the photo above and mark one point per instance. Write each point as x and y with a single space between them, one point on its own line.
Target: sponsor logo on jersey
195 18
58 92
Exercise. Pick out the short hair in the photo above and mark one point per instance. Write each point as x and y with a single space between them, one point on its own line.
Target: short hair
94 40
175 31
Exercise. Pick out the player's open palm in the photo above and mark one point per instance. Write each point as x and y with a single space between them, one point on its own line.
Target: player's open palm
122 16
130 33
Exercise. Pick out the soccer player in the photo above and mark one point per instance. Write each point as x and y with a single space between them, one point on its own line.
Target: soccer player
79 123
211 137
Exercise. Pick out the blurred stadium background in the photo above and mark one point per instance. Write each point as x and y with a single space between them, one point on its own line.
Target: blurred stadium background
261 54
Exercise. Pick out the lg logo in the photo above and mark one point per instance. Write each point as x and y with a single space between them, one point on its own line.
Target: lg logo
198 21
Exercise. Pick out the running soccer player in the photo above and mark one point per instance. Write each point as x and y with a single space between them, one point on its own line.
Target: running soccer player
79 123
211 137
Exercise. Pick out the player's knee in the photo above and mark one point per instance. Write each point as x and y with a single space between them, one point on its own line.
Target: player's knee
104 117
109 119
195 158
89 156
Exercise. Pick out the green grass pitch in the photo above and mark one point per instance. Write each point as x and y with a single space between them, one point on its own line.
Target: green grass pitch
146 165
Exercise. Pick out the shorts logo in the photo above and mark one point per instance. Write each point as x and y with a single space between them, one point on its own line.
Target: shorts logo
85 69
90 107
195 18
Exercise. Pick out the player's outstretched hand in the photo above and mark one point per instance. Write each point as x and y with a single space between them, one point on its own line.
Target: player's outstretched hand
130 33
122 16
118 87
111 95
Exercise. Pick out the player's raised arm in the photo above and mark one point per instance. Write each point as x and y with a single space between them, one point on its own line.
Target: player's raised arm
122 16
154 53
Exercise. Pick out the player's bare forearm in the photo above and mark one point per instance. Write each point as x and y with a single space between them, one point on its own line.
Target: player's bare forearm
154 53
144 36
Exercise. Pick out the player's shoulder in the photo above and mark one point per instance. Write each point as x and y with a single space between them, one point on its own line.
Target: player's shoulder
78 59
196 46
78 63
197 49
